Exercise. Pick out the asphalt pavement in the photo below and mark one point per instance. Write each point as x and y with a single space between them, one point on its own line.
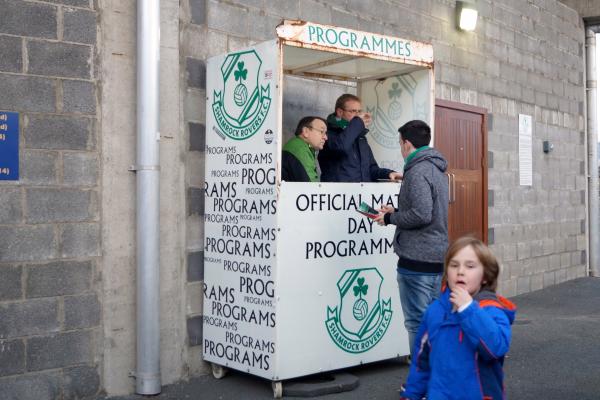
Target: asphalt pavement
555 354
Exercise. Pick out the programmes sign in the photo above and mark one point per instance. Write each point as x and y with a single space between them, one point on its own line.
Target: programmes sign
356 41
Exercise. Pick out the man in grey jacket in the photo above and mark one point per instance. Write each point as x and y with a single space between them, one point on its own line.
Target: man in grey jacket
421 220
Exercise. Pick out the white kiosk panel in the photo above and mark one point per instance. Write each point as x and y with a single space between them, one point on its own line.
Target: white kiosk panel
242 147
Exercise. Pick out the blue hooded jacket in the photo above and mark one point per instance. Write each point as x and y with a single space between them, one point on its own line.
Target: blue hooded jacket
460 354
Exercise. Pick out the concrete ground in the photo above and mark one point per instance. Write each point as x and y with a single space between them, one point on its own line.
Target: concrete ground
555 354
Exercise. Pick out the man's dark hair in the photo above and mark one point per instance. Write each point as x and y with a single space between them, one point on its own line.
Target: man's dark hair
306 122
417 132
341 101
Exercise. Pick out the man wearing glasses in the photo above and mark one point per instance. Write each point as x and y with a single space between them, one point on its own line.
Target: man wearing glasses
298 160
347 156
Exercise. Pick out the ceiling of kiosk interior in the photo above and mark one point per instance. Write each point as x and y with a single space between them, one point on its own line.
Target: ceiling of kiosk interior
324 64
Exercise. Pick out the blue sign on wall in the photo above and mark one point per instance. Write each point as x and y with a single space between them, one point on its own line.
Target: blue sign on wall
9 146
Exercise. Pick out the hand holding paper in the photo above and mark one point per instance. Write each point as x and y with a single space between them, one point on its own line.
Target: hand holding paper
382 211
367 210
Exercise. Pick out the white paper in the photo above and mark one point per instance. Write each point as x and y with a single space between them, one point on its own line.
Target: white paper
525 150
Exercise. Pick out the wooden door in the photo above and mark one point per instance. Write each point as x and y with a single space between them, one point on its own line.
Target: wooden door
461 136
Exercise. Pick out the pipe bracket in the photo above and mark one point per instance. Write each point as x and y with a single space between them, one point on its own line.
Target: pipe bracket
135 168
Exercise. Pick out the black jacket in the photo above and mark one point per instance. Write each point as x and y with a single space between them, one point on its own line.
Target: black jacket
292 170
347 156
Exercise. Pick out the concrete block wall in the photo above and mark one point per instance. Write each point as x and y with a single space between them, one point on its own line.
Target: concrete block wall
538 231
50 220
525 57
588 9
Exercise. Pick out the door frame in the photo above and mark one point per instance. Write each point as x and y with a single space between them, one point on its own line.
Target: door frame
484 161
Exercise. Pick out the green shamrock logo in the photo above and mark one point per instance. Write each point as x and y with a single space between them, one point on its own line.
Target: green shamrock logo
395 91
240 94
360 289
241 73
361 307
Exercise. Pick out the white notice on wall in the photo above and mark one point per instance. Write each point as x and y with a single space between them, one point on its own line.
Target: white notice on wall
525 150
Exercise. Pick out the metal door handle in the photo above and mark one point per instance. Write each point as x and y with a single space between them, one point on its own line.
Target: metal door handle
451 188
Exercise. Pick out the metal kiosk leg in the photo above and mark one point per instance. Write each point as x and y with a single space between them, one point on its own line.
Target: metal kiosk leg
277 389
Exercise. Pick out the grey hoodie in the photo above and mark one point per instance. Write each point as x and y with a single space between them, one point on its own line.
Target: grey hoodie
421 220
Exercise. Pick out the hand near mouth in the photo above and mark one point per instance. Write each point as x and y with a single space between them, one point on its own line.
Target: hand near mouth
459 297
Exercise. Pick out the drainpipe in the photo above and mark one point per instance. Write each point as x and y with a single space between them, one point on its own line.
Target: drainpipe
147 202
592 147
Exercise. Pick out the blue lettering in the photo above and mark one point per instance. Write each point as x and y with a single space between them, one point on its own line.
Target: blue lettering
408 50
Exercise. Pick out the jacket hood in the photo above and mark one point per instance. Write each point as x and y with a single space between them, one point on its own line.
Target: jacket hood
428 155
485 298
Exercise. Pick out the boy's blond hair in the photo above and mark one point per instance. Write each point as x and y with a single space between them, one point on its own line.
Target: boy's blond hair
491 267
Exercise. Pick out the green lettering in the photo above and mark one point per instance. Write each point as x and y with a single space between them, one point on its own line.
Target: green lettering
401 46
311 31
353 40
365 43
390 44
319 34
330 41
408 50
377 44
343 41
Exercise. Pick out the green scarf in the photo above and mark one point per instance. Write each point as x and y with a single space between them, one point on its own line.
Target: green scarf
337 122
305 154
413 154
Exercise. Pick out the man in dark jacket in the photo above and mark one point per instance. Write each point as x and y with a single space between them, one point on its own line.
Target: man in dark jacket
347 156
298 161
421 220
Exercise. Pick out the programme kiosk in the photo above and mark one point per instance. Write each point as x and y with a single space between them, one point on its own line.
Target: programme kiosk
297 282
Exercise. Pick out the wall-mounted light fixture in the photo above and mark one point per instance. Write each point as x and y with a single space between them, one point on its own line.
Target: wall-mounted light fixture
547 146
466 14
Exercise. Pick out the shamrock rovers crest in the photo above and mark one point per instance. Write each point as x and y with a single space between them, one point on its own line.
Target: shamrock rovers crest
361 319
241 107
398 99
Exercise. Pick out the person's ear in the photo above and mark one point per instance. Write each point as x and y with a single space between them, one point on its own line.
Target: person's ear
303 133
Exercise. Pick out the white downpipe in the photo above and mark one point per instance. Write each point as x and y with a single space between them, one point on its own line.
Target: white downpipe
592 147
147 201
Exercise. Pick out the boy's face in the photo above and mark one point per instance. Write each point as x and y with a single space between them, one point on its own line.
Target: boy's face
465 270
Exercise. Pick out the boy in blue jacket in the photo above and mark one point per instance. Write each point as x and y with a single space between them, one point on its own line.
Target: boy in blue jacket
466 333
